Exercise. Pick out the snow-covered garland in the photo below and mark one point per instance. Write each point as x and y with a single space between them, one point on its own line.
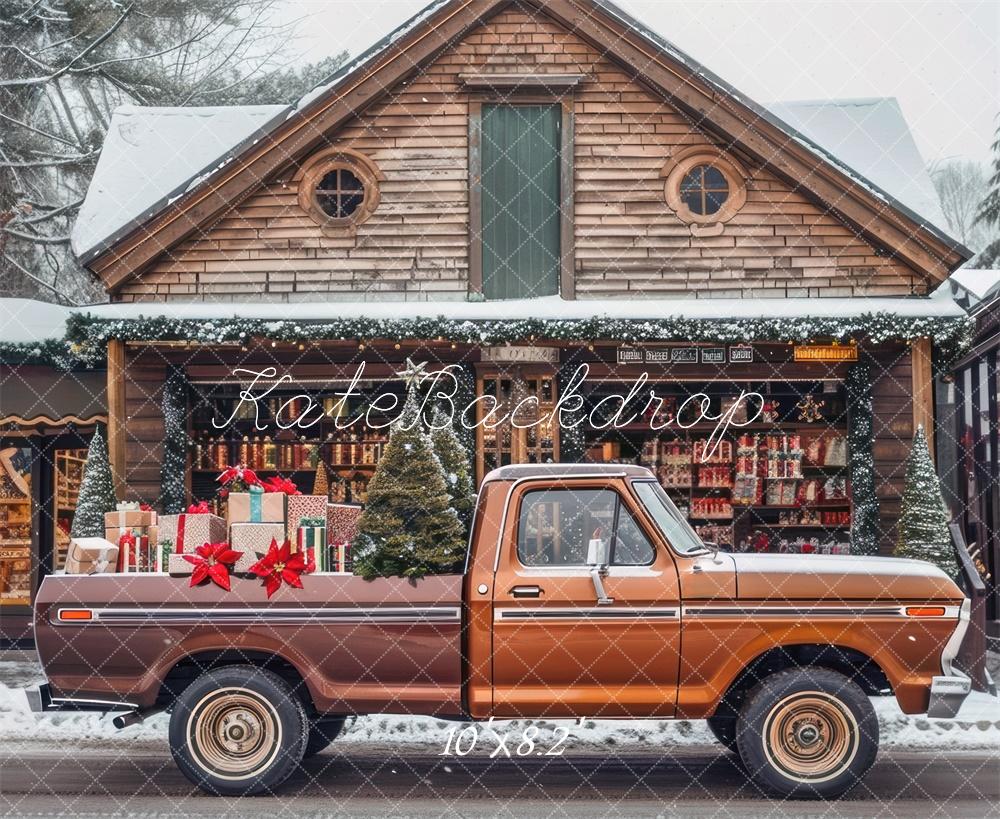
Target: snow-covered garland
860 438
87 336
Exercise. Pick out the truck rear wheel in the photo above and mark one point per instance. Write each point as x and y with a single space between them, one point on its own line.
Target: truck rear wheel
238 731
322 732
807 733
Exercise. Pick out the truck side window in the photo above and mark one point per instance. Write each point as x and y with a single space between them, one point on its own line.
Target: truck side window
556 525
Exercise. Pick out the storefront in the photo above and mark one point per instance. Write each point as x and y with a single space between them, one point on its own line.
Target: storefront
767 445
46 419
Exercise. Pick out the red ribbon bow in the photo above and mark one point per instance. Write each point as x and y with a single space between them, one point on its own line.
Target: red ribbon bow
279 566
239 473
279 484
199 508
211 561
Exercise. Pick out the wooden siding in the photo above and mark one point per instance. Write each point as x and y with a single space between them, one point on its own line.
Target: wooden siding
143 424
628 243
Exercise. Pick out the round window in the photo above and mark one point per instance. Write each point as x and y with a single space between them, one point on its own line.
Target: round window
340 193
704 190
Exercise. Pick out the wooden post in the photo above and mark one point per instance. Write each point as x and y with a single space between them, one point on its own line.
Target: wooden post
116 413
923 388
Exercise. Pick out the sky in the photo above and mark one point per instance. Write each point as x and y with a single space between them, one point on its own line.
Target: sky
941 60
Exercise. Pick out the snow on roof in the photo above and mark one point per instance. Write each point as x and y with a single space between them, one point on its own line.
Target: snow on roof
27 321
873 138
547 307
980 284
174 149
151 155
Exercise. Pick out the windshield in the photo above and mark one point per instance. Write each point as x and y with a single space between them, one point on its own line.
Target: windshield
675 528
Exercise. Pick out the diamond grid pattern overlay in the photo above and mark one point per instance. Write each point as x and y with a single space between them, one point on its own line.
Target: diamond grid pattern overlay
626 245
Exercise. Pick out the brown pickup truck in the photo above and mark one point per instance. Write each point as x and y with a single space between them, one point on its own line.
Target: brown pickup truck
585 594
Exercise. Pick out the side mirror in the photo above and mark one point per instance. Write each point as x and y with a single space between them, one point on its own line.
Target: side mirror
598 551
598 558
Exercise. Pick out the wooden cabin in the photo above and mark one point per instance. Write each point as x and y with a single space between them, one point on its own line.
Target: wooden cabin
519 188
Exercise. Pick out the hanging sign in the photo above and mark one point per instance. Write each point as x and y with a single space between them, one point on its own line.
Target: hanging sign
741 354
521 355
713 355
826 352
673 355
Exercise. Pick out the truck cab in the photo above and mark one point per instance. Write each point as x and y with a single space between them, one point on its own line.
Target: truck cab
585 594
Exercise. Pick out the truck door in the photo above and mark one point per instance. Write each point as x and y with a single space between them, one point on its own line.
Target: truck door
559 650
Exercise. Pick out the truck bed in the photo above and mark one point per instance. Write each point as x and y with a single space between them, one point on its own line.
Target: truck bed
382 646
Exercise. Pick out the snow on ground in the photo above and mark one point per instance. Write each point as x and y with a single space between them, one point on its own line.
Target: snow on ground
977 727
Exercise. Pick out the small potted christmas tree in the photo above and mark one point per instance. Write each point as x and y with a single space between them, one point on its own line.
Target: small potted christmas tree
923 522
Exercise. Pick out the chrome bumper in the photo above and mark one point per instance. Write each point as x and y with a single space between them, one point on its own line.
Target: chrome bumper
949 691
40 700
947 696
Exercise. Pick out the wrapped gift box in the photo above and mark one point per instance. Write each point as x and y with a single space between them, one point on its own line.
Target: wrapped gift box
115 533
304 506
129 518
310 538
188 531
257 507
342 522
255 537
179 567
340 554
136 553
91 555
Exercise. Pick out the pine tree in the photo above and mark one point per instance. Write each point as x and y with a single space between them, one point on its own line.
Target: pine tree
173 488
454 460
923 522
97 491
989 212
408 528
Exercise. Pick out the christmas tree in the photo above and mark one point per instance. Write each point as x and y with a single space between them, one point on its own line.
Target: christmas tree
408 528
173 489
97 491
989 212
454 460
923 523
321 484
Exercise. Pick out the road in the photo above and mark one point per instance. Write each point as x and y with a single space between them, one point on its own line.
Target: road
690 782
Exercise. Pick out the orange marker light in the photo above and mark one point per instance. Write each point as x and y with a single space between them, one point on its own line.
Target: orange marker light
925 611
75 615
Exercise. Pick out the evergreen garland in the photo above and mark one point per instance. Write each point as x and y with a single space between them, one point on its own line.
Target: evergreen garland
173 487
572 441
861 459
923 522
87 336
97 491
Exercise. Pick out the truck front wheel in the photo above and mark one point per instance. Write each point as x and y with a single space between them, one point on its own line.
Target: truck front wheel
807 733
238 731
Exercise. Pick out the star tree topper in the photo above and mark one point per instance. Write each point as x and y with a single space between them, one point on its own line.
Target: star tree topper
414 374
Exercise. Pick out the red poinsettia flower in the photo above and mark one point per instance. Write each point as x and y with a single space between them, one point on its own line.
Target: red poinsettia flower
279 484
279 566
199 508
211 561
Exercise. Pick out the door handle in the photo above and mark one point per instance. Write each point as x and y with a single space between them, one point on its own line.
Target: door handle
526 591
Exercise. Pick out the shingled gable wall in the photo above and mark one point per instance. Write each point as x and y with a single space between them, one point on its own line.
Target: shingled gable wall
628 241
